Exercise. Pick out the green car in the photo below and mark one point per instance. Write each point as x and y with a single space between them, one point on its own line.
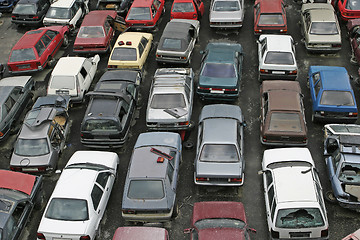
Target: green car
220 73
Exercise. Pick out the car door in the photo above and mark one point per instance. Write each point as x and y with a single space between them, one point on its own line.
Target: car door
88 72
270 202
264 110
54 44
355 44
315 87
20 216
76 13
144 48
199 7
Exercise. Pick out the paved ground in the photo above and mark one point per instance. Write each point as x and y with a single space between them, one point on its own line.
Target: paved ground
342 221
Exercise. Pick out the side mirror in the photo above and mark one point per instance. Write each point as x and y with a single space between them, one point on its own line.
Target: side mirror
188 230
244 124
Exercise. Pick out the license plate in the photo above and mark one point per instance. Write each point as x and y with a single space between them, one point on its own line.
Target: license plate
278 72
31 169
23 66
61 238
216 91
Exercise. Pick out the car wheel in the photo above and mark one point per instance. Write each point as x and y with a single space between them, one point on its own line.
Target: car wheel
40 201
51 62
175 212
188 145
329 196
259 78
66 41
313 118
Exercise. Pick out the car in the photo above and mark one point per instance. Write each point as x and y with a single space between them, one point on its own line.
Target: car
353 236
111 108
352 27
30 12
342 157
320 28
269 17
36 49
73 76
152 176
354 37
20 193
95 34
178 41
145 14
171 99
7 5
15 96
226 14
120 6
219 159
277 57
66 12
294 203
130 51
220 71
78 202
187 9
219 220
141 233
282 117
348 9
332 96
43 136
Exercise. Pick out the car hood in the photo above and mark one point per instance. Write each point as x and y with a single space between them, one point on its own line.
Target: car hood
64 228
159 115
230 16
217 82
221 233
89 41
330 38
211 169
25 161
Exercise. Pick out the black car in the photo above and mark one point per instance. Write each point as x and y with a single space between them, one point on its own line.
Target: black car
112 103
30 12
15 96
121 6
19 193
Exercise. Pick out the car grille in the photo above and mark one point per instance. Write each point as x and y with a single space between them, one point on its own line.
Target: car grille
336 114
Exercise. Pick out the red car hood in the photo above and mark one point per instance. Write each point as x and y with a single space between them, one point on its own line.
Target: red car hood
218 210
89 41
223 233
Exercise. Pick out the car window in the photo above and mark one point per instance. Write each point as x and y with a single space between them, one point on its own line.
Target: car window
226 6
40 47
219 153
165 101
287 122
183 7
170 171
124 54
141 49
171 43
15 93
91 32
323 28
46 40
273 208
9 228
281 58
100 125
83 72
67 209
352 5
269 178
103 178
31 147
299 218
62 82
24 54
153 10
139 13
9 103
337 98
60 13
144 41
270 195
24 8
157 3
96 195
146 189
307 21
271 19
263 47
107 27
219 70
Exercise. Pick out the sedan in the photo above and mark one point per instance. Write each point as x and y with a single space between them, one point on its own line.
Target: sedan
226 13
19 194
177 41
219 220
220 71
270 17
219 157
187 9
348 9
30 12
79 200
320 27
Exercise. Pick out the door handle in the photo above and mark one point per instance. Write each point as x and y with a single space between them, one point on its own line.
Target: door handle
99 211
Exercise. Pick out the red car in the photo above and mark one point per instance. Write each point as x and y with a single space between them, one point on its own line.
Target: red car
348 9
269 17
187 9
37 48
141 233
95 33
353 27
219 220
145 14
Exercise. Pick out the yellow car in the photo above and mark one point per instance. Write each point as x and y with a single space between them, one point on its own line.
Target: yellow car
130 50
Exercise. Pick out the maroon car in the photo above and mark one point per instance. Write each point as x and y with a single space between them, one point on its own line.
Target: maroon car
36 49
219 220
353 28
95 33
141 233
269 17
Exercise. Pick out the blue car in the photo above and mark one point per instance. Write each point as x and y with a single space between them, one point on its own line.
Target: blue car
220 73
333 98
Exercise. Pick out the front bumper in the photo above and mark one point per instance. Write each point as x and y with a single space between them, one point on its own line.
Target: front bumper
169 127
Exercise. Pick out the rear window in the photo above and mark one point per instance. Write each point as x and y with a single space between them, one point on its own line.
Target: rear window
271 19
67 209
219 153
139 13
146 189
299 218
124 54
283 58
91 32
219 70
353 5
228 6
183 7
289 122
25 54
24 9
63 82
323 28
337 98
171 43
100 125
31 147
59 13
165 101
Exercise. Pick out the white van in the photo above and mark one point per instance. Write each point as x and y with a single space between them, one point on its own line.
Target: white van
294 200
73 76
66 12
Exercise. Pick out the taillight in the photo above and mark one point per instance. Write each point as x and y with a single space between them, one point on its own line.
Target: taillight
275 234
336 45
71 26
35 17
13 16
201 179
128 211
353 114
305 140
239 180
149 24
42 169
293 72
40 236
264 139
230 90
183 58
184 123
258 30
203 88
112 66
158 56
324 233
87 237
194 16
171 16
16 169
264 71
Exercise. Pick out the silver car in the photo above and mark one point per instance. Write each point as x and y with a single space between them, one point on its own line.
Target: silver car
178 41
226 13
171 99
219 155
320 27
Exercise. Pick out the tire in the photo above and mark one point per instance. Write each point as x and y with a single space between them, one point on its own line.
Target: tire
175 212
188 145
66 40
313 118
51 62
329 196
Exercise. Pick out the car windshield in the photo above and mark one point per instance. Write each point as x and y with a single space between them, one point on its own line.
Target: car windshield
100 125
323 28
287 122
219 153
91 32
337 98
219 223
124 54
219 70
345 128
299 218
283 58
146 189
183 7
171 43
139 13
353 4
25 54
271 19
165 101
67 209
62 82
32 147
225 6
60 13
24 9
350 173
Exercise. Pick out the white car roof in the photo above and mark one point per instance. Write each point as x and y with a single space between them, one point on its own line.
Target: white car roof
108 159
287 154
68 66
62 3
281 43
15 81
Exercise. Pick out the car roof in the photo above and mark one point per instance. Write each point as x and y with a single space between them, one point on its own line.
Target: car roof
134 37
18 181
322 15
29 39
333 78
35 132
140 233
287 154
176 29
221 111
270 6
97 17
63 3
20 81
278 42
216 130
108 159
142 3
4 93
68 66
168 139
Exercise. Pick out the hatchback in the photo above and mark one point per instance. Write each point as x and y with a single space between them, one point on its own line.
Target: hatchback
226 13
269 17
30 12
187 9
348 9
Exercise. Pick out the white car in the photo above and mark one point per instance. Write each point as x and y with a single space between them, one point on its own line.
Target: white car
277 57
73 76
79 200
226 13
